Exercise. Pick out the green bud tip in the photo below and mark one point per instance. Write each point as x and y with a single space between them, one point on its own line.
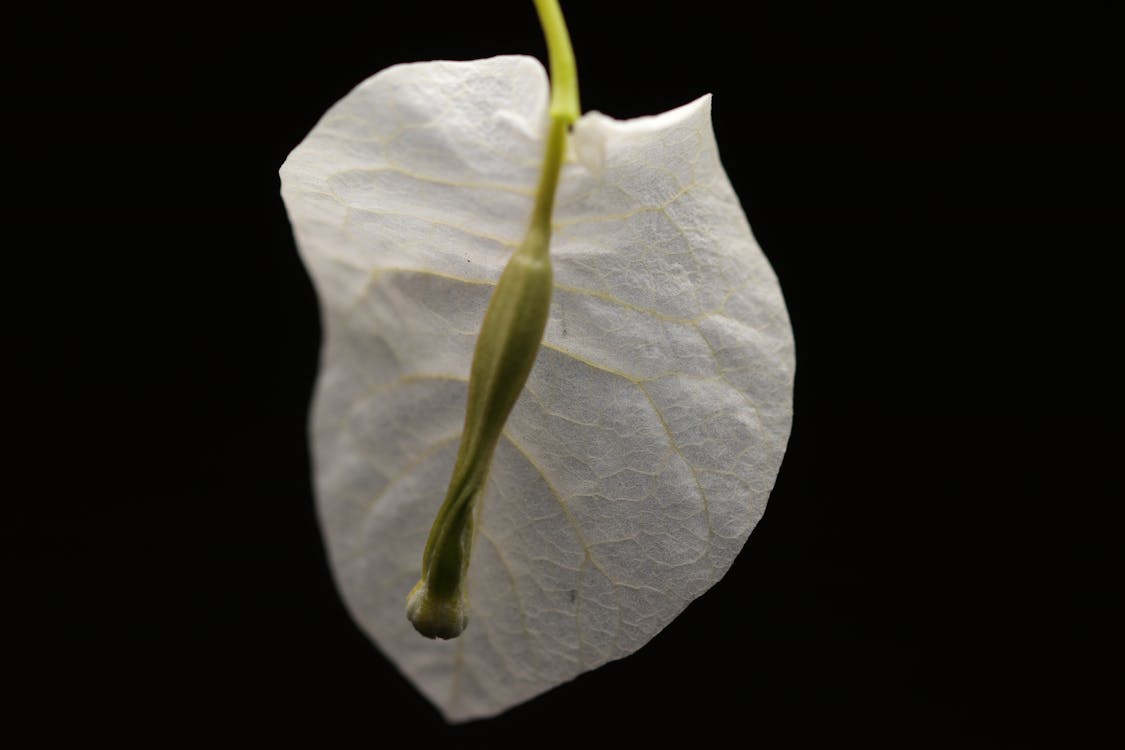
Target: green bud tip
436 617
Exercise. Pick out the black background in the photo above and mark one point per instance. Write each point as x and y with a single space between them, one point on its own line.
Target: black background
931 188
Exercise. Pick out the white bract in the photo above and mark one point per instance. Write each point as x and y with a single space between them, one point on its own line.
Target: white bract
650 432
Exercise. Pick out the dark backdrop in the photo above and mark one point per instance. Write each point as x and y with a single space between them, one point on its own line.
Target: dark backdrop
934 189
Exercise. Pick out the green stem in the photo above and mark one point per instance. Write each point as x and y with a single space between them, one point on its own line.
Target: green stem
564 73
509 341
548 183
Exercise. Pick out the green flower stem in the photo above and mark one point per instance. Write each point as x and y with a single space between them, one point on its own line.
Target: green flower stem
564 73
505 353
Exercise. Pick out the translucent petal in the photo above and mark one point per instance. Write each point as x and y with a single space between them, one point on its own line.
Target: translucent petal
644 447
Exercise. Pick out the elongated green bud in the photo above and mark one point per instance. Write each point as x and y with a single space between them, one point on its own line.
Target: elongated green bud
505 353
506 350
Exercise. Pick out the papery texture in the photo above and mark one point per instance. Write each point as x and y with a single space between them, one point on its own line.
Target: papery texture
651 430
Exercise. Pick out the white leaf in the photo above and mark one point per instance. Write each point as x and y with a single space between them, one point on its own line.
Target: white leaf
645 444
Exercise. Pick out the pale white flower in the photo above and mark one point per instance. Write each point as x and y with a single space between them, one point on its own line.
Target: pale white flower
649 435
